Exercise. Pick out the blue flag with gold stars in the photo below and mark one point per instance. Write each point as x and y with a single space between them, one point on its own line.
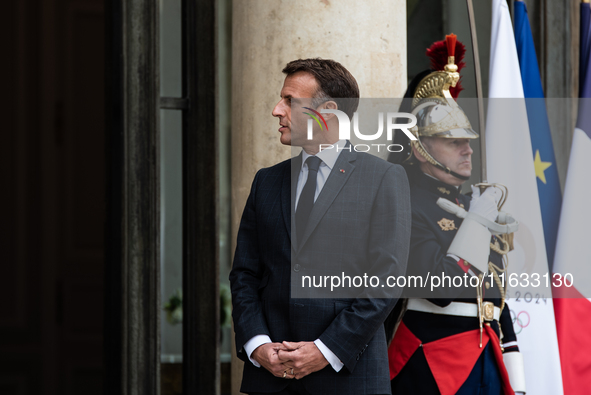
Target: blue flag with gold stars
541 139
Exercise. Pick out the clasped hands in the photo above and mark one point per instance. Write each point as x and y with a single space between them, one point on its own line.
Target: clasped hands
290 360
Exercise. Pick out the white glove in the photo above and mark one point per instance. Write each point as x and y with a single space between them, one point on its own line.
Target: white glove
485 205
514 364
472 241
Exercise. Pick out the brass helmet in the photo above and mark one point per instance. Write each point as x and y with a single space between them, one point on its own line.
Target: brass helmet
437 113
438 118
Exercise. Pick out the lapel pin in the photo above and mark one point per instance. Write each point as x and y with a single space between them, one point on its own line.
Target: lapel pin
342 170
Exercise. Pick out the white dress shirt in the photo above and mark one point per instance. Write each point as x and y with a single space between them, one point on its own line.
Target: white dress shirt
328 157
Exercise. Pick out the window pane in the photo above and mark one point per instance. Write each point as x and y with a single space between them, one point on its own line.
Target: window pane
224 68
171 270
170 48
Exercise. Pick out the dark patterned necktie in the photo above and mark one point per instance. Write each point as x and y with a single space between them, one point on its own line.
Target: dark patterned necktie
306 201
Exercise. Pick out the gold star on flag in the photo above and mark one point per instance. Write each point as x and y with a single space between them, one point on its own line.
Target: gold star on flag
540 167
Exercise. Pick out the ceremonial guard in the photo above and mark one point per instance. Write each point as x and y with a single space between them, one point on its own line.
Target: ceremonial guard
456 337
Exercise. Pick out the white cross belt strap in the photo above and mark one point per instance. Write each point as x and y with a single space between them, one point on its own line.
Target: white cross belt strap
454 308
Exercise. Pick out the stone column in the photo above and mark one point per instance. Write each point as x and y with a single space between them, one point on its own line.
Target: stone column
370 41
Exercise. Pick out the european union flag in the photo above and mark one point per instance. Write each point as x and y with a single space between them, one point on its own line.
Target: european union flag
541 139
585 38
584 117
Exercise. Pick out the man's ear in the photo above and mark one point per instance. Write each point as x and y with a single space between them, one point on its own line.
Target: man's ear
418 155
328 105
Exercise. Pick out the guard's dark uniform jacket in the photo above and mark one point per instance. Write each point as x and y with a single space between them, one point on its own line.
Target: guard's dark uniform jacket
436 353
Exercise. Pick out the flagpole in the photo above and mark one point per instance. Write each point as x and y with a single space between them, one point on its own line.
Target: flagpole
483 175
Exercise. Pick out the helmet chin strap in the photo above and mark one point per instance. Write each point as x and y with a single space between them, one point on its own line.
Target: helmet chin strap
421 148
453 173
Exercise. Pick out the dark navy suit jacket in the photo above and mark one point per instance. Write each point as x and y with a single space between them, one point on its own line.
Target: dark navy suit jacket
360 222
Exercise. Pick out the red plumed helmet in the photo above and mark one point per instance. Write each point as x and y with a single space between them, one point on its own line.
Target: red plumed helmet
439 53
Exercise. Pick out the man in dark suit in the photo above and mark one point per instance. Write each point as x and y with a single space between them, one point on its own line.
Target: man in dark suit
324 212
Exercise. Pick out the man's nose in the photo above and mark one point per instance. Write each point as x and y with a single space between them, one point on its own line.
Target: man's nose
467 149
278 111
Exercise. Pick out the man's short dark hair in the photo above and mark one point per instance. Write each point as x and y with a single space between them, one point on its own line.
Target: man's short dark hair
334 82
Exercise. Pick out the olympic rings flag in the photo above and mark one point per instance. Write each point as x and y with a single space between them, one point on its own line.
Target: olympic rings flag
510 161
520 320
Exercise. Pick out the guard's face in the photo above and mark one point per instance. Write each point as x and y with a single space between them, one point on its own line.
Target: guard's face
298 85
453 153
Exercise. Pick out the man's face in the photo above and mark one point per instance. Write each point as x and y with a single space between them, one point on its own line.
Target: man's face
453 153
298 85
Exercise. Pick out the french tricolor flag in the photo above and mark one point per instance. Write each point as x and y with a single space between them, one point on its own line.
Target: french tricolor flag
572 305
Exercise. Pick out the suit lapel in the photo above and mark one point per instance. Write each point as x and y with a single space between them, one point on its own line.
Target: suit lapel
288 191
335 182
